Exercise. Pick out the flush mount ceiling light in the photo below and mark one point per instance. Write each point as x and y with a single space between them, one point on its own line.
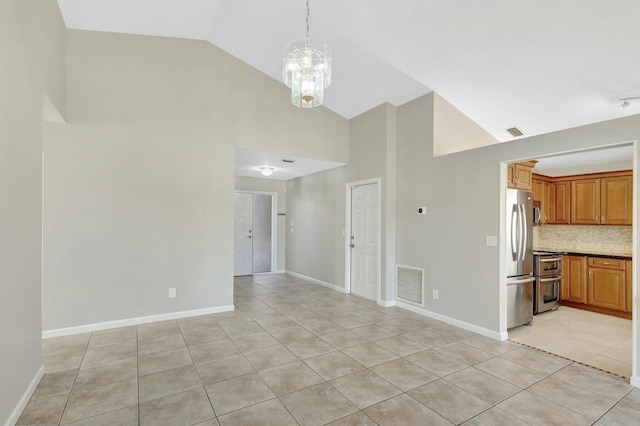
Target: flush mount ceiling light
625 101
266 170
307 70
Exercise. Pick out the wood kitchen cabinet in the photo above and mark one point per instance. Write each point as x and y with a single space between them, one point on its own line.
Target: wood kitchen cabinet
574 279
542 193
607 283
585 201
602 201
519 175
598 284
560 202
616 200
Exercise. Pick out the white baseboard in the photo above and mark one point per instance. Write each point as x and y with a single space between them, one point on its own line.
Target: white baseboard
635 381
315 281
387 303
504 336
17 411
46 334
465 325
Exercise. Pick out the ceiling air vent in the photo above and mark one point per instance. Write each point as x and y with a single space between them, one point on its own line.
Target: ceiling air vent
284 160
515 132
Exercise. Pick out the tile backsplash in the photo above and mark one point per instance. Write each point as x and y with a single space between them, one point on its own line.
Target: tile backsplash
613 240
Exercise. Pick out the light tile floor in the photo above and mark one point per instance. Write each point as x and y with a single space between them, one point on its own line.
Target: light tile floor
594 339
297 353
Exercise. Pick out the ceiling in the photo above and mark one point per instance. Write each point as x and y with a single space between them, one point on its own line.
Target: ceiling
606 159
539 65
248 163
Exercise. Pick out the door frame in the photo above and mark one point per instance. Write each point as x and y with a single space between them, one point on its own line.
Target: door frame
274 227
348 228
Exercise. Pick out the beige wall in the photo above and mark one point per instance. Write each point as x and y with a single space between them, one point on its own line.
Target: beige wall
30 42
316 203
454 132
463 193
279 187
139 184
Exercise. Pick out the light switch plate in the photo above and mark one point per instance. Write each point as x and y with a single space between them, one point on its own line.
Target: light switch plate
492 241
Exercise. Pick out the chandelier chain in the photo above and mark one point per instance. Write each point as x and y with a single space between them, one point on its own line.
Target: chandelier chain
307 18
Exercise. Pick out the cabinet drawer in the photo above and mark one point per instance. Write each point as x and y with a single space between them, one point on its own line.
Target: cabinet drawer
604 262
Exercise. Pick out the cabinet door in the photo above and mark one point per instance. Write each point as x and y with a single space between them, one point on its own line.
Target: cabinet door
616 200
585 202
574 279
607 289
629 285
522 175
538 189
545 204
511 171
560 201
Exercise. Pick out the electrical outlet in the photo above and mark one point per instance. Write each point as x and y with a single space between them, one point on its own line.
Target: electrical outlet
435 294
172 293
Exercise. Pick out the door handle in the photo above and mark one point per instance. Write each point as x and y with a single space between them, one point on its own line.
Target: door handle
352 245
248 236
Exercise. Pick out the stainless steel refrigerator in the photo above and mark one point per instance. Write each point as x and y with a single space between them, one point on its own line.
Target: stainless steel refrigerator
519 253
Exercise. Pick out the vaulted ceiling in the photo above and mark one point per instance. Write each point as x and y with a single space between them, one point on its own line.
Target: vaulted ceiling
539 65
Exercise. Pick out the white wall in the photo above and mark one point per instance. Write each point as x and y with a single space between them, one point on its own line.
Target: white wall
30 42
139 184
279 187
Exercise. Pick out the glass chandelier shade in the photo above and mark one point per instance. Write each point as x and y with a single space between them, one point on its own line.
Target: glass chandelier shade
307 71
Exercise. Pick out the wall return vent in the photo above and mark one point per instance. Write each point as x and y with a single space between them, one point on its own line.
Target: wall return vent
410 284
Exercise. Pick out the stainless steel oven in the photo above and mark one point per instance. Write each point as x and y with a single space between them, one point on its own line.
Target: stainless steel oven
547 269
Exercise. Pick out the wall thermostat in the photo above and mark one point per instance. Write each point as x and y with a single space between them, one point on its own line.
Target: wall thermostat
422 210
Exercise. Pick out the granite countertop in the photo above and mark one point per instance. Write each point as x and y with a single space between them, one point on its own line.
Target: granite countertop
602 252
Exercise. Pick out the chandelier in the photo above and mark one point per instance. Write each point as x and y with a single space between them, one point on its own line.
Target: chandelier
307 70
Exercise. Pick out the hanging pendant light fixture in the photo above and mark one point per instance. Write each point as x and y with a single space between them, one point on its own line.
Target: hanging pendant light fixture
307 70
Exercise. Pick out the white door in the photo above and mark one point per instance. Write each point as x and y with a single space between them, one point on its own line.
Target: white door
243 238
364 241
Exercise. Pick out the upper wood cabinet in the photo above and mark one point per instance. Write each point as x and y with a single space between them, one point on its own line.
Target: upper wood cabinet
602 201
542 194
596 199
519 175
585 202
560 206
616 200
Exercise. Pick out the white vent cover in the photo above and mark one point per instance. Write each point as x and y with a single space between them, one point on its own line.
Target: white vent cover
410 284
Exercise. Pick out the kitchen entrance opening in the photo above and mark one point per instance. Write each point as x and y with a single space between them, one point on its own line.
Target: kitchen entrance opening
581 225
253 233
363 253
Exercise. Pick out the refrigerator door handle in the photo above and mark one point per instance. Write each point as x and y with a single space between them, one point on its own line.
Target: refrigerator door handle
514 235
525 235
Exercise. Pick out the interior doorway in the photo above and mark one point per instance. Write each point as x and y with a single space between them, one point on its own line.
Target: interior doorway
363 253
254 236
580 329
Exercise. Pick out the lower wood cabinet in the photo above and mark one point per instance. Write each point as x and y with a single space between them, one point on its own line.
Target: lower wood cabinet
597 283
607 289
574 279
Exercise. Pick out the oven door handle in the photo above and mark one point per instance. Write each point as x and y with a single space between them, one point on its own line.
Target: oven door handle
546 280
550 259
